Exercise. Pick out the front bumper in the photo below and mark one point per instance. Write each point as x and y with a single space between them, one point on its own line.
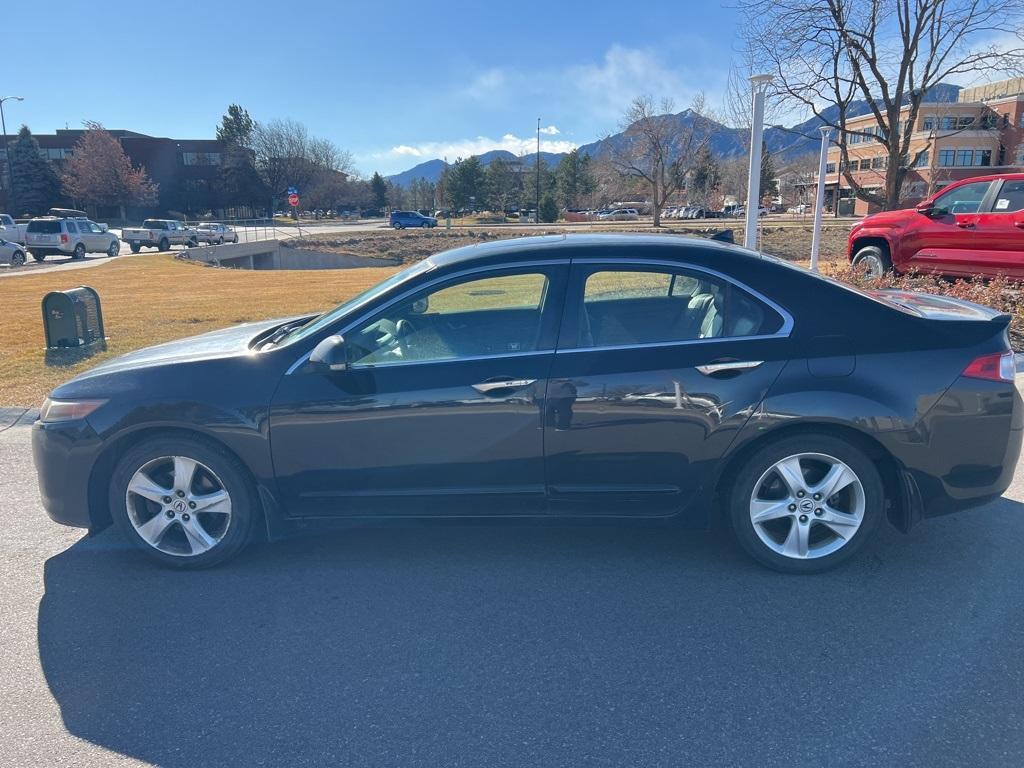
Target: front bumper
65 454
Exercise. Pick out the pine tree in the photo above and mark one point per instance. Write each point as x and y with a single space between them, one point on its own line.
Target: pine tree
768 174
36 185
574 178
548 209
379 188
236 127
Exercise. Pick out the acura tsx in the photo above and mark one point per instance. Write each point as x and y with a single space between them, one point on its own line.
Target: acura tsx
614 376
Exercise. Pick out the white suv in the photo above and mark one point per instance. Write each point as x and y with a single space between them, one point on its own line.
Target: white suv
52 236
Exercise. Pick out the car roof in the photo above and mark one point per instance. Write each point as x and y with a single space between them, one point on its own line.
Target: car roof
562 246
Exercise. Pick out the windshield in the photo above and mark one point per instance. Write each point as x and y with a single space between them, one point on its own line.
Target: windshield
154 224
323 321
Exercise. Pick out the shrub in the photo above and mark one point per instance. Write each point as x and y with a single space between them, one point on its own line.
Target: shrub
548 209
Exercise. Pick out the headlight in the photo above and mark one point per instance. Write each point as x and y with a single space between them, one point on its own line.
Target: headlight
67 410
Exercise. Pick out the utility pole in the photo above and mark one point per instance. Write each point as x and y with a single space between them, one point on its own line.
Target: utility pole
7 153
819 197
758 83
536 217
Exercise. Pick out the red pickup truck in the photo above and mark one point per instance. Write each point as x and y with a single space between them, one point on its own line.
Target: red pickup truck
972 227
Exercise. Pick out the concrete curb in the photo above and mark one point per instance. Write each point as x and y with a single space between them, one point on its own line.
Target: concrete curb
12 417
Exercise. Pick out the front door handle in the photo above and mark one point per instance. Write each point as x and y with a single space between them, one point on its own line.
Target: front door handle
732 365
1019 224
965 224
493 385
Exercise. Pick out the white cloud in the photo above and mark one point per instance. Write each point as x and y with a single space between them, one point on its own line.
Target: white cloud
550 130
476 146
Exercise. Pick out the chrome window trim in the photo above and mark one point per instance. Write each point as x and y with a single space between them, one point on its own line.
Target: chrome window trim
784 331
428 284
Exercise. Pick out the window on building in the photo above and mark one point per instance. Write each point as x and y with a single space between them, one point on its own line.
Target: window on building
965 157
1020 155
879 162
55 153
855 138
965 122
922 160
983 157
928 124
946 157
830 167
200 158
865 164
947 123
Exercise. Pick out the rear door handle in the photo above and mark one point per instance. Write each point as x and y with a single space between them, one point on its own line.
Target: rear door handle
1019 224
493 385
733 365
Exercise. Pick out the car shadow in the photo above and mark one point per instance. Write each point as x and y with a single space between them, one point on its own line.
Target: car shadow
513 644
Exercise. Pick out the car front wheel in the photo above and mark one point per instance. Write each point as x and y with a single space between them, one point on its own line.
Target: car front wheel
874 261
185 502
17 259
806 503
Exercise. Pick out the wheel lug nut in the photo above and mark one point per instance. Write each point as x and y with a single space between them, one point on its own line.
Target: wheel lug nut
170 513
186 517
803 518
181 493
818 512
191 505
817 497
792 507
167 499
800 494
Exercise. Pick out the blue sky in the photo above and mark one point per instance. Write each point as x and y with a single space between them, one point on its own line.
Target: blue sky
393 82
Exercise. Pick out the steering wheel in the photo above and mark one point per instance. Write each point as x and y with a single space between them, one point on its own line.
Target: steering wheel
404 328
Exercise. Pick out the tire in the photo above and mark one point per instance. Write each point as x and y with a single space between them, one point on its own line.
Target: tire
759 490
40 257
114 249
79 252
183 536
135 247
874 260
220 241
399 225
163 245
18 259
425 225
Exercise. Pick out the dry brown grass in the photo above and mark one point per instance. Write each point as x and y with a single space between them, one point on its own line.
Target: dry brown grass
152 299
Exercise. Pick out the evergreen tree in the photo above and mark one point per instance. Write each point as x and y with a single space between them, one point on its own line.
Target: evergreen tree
705 177
466 184
548 209
574 179
379 188
236 127
36 187
768 174
504 185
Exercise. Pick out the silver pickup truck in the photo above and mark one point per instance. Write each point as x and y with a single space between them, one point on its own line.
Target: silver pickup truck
11 231
160 234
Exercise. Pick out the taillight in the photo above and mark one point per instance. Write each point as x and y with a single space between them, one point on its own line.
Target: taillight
63 238
995 367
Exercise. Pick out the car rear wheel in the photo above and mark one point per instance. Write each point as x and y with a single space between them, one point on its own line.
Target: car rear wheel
807 503
873 260
79 252
40 257
18 259
114 249
184 502
399 225
163 245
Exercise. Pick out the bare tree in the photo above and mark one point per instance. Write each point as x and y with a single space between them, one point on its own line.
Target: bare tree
827 54
657 147
287 156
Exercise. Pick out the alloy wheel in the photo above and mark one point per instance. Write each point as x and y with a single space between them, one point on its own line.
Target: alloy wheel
178 506
871 265
807 505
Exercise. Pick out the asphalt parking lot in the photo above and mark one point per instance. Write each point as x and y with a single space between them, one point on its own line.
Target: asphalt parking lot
502 645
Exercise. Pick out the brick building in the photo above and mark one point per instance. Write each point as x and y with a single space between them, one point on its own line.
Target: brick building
981 133
187 170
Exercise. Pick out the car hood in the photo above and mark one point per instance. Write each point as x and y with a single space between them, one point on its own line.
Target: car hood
226 342
895 218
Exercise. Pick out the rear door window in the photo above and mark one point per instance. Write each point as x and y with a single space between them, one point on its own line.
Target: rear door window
1010 198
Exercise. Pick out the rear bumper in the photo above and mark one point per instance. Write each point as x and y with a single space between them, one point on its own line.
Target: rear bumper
972 441
48 250
64 456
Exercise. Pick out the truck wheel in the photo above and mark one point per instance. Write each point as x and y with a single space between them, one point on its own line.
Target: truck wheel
873 260
135 247
40 257
163 245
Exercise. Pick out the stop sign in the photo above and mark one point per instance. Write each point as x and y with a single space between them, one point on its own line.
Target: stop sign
293 200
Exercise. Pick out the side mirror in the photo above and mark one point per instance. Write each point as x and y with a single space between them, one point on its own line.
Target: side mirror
927 208
330 355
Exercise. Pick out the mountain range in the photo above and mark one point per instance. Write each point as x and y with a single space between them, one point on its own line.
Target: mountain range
785 143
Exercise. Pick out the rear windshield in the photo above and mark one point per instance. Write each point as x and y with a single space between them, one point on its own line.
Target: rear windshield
154 224
46 227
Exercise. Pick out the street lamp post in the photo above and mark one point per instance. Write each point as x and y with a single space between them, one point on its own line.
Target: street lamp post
759 84
819 197
7 153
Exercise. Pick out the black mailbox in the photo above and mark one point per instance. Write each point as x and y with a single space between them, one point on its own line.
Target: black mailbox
72 318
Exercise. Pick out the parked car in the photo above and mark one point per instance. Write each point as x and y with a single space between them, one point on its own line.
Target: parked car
11 253
74 237
687 373
160 234
403 219
620 214
972 227
801 208
215 234
11 231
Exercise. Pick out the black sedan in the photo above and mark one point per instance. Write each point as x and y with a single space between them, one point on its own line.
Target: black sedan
615 376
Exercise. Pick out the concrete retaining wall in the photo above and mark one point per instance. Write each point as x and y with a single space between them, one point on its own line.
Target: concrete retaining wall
275 254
